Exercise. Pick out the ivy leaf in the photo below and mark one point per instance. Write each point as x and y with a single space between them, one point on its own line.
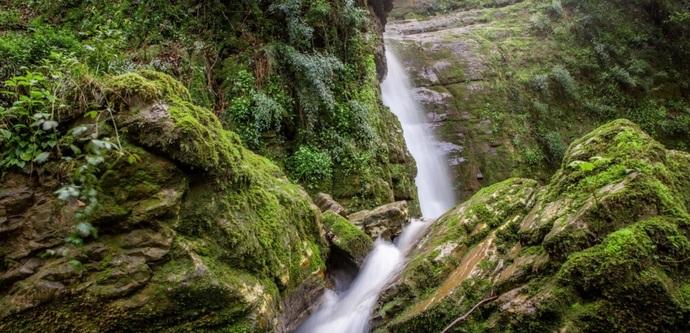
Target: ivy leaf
79 130
94 160
67 192
5 133
49 125
75 149
42 157
86 229
26 156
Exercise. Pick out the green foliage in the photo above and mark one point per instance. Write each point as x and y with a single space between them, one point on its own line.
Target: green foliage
556 9
29 129
252 112
555 146
311 166
540 84
565 81
35 131
540 24
315 76
533 157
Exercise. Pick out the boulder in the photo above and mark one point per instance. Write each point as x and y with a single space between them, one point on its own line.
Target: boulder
386 221
346 238
325 202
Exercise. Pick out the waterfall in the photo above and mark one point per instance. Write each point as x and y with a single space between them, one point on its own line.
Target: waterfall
349 311
434 183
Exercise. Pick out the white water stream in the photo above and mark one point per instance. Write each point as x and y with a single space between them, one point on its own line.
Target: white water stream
349 311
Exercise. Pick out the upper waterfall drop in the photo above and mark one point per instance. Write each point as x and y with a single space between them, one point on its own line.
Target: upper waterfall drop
434 181
349 311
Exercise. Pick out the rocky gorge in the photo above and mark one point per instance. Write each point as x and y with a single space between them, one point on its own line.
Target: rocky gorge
241 167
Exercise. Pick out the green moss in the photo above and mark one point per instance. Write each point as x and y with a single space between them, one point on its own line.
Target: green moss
202 140
124 87
166 84
347 237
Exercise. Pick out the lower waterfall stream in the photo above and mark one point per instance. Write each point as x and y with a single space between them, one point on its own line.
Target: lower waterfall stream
349 311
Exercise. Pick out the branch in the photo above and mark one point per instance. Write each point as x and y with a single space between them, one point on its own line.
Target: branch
463 317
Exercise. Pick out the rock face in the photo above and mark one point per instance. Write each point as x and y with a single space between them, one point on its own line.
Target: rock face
509 83
601 248
386 221
200 234
452 64
326 203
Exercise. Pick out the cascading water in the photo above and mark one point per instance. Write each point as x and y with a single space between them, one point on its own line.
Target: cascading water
349 311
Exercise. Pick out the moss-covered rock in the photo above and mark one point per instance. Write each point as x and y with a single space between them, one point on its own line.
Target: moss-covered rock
195 233
602 247
346 237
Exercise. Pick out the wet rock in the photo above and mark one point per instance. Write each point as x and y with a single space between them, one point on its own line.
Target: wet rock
386 221
347 238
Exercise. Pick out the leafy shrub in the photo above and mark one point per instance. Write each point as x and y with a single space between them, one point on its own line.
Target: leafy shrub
555 147
315 79
565 81
300 34
533 157
540 84
540 24
599 109
622 76
541 109
361 124
29 126
252 112
555 9
18 50
33 131
311 166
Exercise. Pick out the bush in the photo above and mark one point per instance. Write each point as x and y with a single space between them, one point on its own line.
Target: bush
311 166
564 80
555 9
622 76
315 76
533 157
252 112
555 147
540 84
540 23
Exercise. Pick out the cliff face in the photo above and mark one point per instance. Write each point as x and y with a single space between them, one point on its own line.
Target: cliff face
601 247
509 84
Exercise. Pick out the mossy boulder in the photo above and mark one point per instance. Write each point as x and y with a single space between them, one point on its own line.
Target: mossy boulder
195 233
385 221
601 247
347 238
